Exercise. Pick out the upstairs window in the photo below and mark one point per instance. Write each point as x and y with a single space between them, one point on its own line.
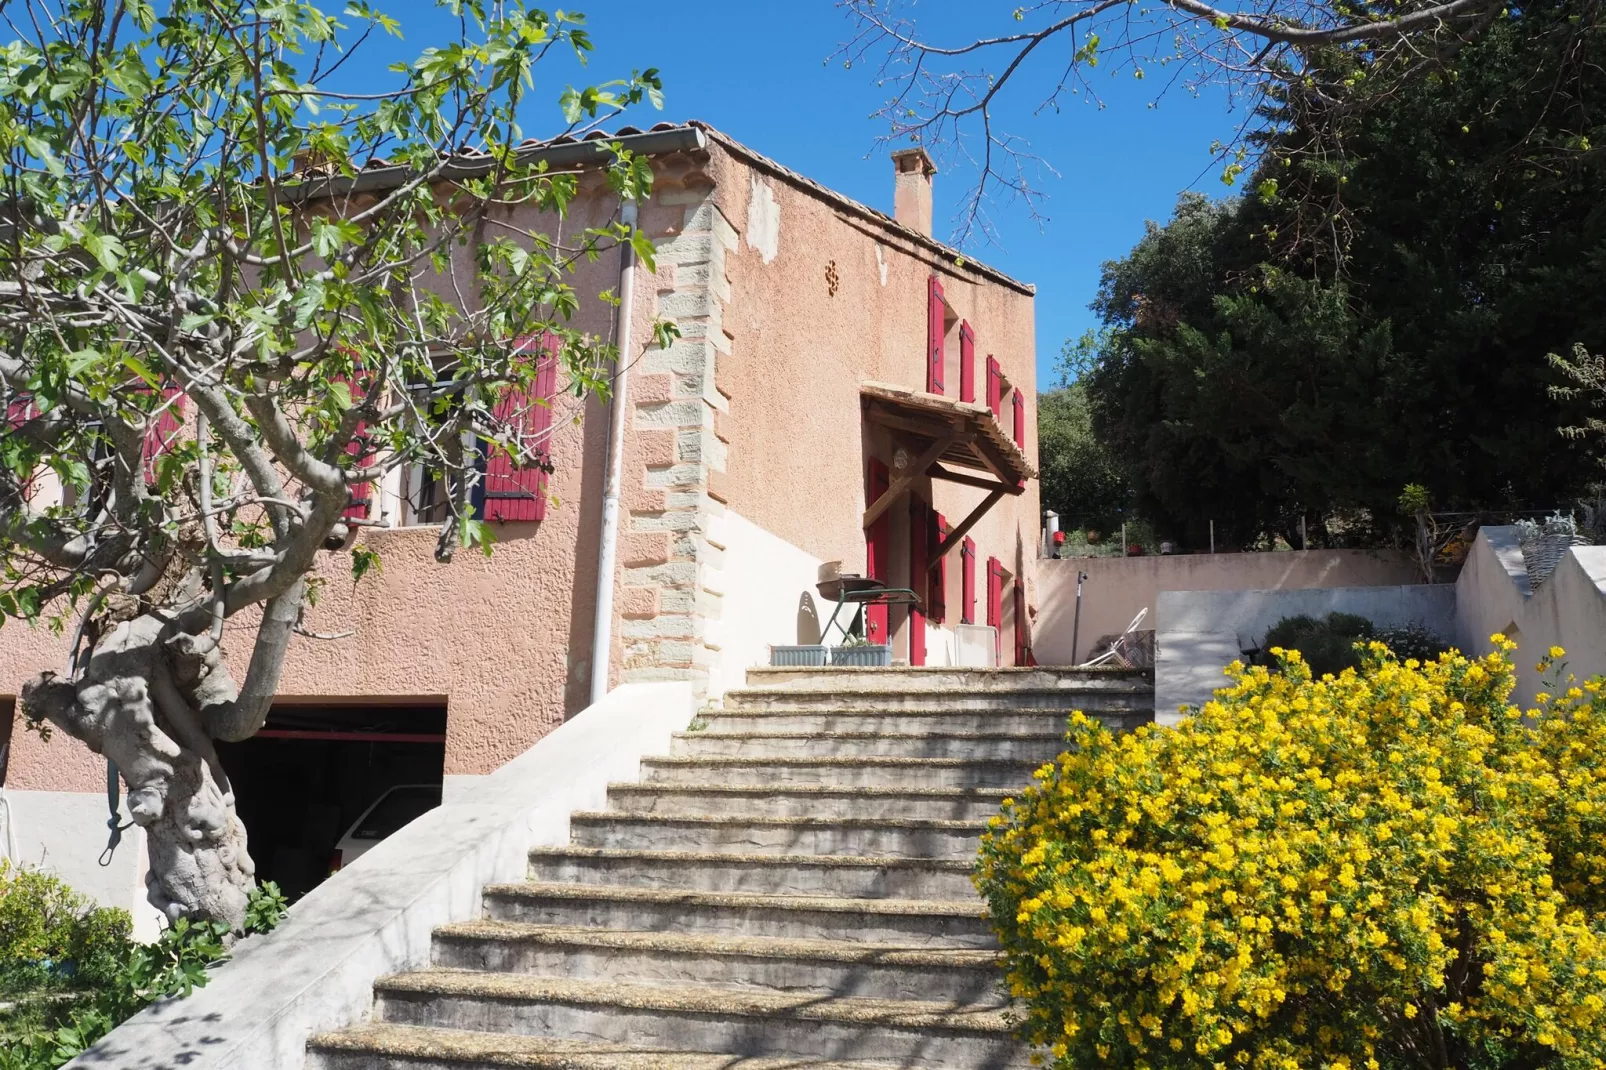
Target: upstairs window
504 492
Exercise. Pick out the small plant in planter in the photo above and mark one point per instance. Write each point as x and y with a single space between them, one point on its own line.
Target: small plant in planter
859 651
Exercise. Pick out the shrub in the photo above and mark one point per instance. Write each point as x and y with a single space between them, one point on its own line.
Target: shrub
1407 641
51 937
1392 868
73 974
1327 644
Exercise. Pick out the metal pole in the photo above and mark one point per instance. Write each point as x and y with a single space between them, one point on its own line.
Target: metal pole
1212 536
1123 538
1304 538
1076 621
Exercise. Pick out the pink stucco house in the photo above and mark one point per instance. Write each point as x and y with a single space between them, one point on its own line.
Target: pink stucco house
845 388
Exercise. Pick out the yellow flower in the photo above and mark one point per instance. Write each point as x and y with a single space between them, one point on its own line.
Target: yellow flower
1190 902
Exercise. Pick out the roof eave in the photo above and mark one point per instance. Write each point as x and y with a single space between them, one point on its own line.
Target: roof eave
558 156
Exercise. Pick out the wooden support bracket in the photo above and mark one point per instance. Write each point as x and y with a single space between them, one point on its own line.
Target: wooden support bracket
939 472
902 483
969 522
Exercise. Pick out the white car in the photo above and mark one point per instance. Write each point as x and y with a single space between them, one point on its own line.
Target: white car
396 807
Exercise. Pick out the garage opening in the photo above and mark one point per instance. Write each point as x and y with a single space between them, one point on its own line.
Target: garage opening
302 783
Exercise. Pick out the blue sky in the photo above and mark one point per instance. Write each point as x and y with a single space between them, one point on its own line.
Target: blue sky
761 76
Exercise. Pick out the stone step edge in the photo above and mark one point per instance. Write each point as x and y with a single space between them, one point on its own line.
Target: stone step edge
756 947
641 854
760 900
462 1047
828 760
724 1001
931 824
818 791
1120 680
780 710
809 737
935 696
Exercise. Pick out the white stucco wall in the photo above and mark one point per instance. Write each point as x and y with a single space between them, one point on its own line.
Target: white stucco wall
1198 633
766 597
1568 609
1117 588
64 833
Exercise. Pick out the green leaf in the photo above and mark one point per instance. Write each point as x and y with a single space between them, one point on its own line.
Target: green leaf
363 561
81 361
569 104
135 365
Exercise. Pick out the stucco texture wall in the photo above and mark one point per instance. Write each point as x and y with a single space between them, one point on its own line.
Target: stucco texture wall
1568 610
822 300
1118 588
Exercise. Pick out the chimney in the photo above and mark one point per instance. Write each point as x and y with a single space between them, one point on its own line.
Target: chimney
911 191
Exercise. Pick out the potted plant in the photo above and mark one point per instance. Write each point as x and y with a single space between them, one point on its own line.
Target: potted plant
860 652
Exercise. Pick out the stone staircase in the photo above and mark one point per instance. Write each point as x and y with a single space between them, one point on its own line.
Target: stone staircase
789 888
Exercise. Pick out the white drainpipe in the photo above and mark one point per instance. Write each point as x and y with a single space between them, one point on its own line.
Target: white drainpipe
607 550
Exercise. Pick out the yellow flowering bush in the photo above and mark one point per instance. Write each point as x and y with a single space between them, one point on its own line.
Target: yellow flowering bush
1390 868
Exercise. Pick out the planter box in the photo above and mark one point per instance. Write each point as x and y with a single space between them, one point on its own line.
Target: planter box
874 657
797 655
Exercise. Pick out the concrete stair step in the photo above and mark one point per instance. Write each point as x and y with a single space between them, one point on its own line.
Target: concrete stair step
934 702
704 1018
819 967
905 922
707 800
913 773
1039 748
814 875
382 1046
944 678
1016 720
899 838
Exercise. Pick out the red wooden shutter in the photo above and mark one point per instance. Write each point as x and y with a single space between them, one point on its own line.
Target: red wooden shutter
967 581
936 310
995 388
919 519
877 549
1020 419
164 433
937 604
967 363
359 449
19 410
513 493
995 603
1022 648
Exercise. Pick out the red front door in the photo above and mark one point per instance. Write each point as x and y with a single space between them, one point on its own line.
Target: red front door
919 582
877 550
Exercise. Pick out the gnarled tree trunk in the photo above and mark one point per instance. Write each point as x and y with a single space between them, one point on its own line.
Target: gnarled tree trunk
136 700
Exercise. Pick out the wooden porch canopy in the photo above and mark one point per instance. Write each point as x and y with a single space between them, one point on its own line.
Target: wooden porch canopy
957 441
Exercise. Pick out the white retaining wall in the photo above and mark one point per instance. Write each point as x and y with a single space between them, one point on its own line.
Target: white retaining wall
1199 632
316 971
